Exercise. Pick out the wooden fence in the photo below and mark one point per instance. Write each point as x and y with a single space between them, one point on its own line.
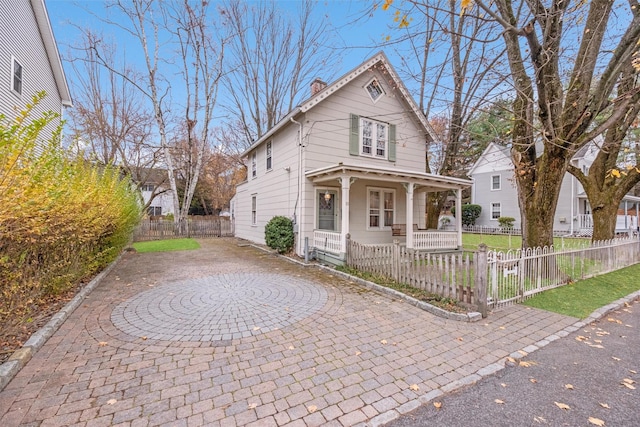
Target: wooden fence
192 227
447 274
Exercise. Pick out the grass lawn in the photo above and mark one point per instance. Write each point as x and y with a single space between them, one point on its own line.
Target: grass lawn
581 298
166 245
470 241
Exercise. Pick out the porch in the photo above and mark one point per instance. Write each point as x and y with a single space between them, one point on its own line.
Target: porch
383 201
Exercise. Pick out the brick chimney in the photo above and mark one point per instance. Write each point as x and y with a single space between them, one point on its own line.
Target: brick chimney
317 85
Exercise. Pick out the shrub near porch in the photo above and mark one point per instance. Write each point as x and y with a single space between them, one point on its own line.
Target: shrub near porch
61 219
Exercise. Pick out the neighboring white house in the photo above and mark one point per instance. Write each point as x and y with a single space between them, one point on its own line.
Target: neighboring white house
154 187
349 160
29 59
494 189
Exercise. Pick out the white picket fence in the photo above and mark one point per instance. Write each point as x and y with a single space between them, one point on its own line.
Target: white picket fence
489 278
514 276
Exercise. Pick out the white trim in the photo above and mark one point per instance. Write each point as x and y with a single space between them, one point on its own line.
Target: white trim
336 201
254 209
381 209
254 164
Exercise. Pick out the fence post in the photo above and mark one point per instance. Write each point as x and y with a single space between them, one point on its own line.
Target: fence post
481 279
395 260
347 249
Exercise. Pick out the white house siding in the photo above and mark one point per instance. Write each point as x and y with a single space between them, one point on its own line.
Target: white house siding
275 190
20 38
327 127
507 196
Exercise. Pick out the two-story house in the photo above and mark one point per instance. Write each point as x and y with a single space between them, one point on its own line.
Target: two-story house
29 59
494 189
349 160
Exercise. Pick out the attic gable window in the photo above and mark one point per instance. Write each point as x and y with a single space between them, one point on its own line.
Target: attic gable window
375 90
16 76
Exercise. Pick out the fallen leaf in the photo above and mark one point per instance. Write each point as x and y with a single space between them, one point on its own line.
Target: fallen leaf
604 405
291 347
511 359
596 421
597 341
527 364
615 358
383 341
632 371
256 328
460 339
102 343
568 386
562 405
595 346
629 386
111 402
358 353
144 338
414 387
499 402
540 420
629 381
533 380
312 408
438 405
501 327
581 338
252 405
615 320
522 352
503 384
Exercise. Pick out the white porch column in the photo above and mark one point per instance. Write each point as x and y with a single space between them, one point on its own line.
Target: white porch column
345 182
409 221
459 216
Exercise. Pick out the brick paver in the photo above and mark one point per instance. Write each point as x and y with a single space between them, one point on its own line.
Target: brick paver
229 335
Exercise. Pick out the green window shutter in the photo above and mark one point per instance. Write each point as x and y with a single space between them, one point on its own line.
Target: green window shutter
354 136
392 143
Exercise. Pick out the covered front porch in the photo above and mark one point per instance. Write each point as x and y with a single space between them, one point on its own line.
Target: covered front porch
377 205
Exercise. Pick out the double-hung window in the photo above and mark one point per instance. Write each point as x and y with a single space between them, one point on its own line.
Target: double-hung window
254 209
16 76
254 165
496 210
381 203
269 164
495 182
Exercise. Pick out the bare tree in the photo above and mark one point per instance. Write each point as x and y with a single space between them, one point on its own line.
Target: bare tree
110 122
197 58
271 62
452 58
561 91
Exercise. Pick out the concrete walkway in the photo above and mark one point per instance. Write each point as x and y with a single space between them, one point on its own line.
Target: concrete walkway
231 336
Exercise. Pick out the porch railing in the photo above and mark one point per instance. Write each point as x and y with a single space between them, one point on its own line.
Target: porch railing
327 241
431 240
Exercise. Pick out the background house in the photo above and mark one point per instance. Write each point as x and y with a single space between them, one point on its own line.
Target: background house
29 59
155 190
494 189
349 160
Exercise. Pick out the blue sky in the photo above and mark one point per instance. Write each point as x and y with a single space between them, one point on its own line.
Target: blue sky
354 41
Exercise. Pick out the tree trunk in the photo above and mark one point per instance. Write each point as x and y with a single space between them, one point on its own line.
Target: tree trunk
604 221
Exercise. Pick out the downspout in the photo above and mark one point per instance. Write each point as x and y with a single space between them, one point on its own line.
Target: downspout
297 211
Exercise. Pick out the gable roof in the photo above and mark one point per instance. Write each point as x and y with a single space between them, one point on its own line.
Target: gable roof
500 153
379 58
49 41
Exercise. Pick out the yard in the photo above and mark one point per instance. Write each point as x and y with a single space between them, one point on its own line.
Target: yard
502 242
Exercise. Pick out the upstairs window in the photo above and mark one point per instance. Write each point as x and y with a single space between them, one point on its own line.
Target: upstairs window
254 165
269 156
148 187
372 138
495 182
375 90
16 76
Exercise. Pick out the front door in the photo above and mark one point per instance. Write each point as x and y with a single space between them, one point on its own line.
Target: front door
327 211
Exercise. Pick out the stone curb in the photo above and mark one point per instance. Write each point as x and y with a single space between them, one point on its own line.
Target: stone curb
20 357
468 317
493 368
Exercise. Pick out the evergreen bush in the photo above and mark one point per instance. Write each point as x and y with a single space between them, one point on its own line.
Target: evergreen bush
470 213
278 234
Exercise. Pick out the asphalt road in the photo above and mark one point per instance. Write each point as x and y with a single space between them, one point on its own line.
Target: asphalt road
590 377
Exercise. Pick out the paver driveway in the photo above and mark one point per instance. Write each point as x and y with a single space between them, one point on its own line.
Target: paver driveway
229 335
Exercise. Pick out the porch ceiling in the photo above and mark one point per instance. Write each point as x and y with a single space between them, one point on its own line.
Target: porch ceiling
422 181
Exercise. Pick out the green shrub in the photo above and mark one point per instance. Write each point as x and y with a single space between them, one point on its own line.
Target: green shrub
506 221
470 213
278 234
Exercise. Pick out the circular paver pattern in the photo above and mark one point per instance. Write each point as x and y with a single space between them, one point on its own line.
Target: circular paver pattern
220 307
